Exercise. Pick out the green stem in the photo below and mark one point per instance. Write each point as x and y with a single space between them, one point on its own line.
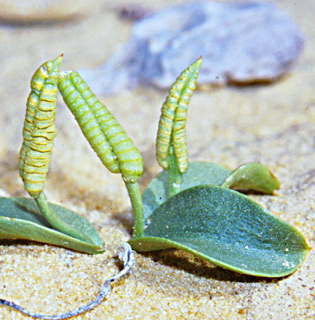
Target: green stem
137 208
174 176
57 223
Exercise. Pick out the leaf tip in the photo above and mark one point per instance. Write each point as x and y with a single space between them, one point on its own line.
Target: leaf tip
275 180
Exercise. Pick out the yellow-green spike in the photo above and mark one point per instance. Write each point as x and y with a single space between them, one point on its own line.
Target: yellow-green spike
39 128
172 125
108 139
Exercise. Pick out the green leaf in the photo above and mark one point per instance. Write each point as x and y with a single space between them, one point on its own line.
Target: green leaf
252 176
226 228
20 219
198 173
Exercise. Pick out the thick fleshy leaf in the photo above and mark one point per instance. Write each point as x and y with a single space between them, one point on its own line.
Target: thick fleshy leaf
20 219
198 173
227 228
252 176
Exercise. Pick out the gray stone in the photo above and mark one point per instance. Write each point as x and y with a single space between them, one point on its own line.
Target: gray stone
240 43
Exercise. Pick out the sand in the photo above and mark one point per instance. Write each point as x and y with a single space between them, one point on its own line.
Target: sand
273 124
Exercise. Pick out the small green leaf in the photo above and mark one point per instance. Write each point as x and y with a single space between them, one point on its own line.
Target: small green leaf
252 176
20 219
226 228
198 173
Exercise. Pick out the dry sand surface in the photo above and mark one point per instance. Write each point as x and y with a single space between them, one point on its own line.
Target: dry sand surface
273 124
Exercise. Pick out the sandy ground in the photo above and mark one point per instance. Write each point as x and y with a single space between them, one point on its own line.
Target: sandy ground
273 124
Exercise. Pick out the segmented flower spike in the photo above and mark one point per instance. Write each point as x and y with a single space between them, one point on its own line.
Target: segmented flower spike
172 124
108 139
39 128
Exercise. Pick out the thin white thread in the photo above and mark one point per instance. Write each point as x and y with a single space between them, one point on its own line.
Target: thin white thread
126 256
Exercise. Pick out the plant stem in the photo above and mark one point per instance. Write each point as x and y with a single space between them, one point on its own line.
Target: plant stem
57 223
137 208
174 176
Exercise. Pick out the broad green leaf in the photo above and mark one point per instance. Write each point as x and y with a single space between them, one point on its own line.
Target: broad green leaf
20 219
253 176
226 228
198 173
68 216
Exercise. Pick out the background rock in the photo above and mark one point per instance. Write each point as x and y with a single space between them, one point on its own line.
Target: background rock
240 43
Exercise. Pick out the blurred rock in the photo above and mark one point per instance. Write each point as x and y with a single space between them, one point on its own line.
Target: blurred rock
133 12
240 43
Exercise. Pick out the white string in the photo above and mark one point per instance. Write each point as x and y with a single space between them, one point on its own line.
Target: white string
126 256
